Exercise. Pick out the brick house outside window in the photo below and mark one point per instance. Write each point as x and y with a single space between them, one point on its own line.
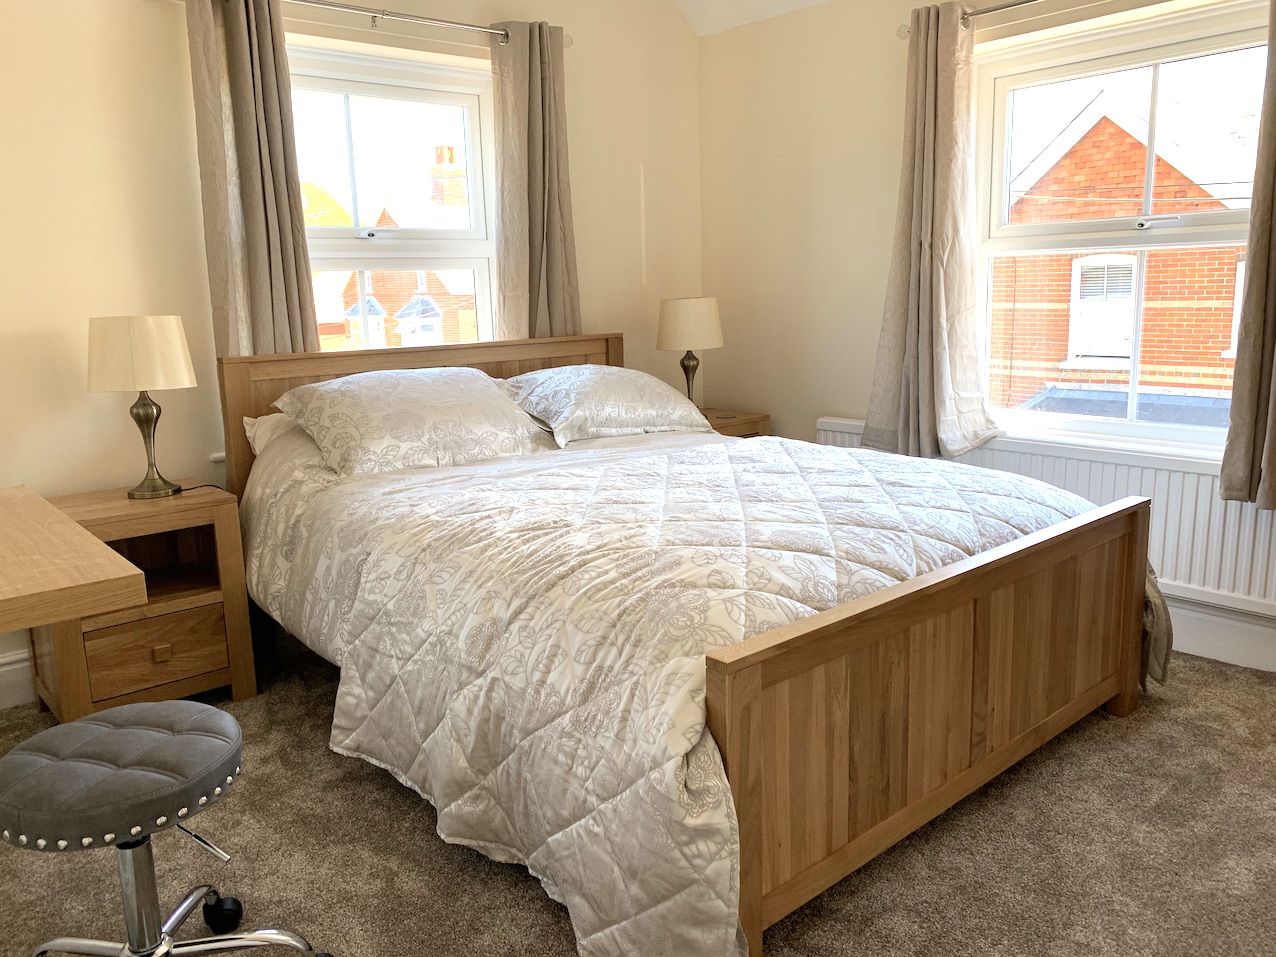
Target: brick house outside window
1057 339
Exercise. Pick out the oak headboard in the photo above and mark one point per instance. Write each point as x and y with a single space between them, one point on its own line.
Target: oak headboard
249 384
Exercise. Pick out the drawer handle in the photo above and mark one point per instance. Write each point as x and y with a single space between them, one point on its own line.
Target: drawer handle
161 653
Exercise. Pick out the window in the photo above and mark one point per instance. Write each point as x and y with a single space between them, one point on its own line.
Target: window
395 181
1115 185
1101 324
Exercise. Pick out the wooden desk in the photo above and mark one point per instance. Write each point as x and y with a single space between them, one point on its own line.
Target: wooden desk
51 569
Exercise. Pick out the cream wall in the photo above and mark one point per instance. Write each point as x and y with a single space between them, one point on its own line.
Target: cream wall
801 135
102 213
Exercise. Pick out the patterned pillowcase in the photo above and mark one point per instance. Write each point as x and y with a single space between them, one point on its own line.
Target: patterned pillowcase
594 402
411 418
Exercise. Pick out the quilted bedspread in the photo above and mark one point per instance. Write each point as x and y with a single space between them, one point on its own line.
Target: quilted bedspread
523 643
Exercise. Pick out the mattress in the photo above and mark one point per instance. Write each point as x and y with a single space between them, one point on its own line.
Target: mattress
522 642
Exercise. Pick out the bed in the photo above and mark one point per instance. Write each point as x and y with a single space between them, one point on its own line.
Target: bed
845 730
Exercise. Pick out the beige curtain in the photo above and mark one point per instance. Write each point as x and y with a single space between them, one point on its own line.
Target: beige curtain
538 293
1249 460
928 390
254 230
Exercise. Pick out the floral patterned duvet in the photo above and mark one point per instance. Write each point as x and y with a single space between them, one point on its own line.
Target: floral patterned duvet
522 642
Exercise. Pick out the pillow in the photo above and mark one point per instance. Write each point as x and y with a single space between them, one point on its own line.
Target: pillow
594 402
265 429
411 418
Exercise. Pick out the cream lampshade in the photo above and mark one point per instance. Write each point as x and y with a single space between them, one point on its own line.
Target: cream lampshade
139 353
689 324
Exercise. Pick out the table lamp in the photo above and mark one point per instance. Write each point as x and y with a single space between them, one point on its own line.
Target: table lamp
689 324
141 353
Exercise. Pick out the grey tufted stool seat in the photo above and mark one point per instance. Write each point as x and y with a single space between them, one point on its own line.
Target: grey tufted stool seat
114 779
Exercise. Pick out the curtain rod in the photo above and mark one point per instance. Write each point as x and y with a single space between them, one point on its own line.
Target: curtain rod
967 17
407 17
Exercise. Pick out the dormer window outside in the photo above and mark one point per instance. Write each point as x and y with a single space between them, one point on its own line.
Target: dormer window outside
1101 321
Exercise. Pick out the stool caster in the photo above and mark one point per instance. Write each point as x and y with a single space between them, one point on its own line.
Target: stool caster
223 914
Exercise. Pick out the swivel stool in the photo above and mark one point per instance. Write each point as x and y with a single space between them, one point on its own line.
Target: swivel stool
112 780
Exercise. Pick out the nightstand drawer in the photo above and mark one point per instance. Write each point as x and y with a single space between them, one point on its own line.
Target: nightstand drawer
154 651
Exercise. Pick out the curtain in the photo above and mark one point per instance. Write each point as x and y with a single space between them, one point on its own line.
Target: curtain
254 228
928 391
538 293
1249 459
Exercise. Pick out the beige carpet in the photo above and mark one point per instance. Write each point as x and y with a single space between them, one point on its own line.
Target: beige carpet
1154 835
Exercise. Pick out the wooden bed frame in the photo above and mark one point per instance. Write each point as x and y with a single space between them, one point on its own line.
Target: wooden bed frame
846 731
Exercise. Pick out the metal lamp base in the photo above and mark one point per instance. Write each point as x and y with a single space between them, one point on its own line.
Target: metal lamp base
690 363
157 487
146 413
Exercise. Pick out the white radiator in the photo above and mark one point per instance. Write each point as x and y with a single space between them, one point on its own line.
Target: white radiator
1206 551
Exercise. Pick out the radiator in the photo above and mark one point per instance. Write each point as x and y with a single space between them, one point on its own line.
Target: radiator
1204 550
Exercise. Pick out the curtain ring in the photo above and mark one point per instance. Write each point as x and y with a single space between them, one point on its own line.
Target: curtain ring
374 21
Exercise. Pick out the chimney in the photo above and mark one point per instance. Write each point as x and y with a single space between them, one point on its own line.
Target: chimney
448 185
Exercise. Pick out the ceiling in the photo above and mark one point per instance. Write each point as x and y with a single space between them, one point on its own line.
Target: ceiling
714 16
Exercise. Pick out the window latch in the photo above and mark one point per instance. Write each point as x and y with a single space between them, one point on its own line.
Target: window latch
1143 222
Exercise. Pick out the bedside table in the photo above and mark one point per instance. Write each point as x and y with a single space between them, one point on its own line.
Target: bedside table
190 635
742 424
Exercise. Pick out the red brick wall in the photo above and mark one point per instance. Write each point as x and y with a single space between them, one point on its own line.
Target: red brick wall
1187 318
449 184
394 289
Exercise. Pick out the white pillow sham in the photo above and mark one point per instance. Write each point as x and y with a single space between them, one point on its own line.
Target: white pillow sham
595 401
411 418
264 429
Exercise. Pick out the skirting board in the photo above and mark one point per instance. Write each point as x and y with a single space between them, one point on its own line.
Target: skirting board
1224 634
15 679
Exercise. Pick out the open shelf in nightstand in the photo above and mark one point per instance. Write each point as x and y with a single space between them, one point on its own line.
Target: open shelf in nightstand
181 573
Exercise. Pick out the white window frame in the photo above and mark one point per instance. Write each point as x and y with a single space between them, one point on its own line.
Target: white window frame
1238 303
399 77
1005 66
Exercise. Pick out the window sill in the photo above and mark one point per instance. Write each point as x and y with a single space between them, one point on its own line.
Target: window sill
1087 364
1182 443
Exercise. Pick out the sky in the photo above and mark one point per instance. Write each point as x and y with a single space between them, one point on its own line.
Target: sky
393 149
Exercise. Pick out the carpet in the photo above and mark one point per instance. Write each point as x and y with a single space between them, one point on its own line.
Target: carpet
1148 835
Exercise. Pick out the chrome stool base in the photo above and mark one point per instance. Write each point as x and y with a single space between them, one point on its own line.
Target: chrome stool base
171 948
148 937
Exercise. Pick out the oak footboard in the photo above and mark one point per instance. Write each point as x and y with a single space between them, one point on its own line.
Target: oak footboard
848 730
